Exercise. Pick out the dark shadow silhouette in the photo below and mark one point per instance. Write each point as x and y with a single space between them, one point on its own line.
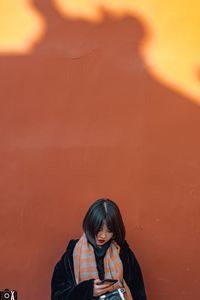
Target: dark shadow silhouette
83 113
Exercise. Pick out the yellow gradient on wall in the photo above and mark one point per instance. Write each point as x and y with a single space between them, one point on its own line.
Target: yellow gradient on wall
172 55
21 25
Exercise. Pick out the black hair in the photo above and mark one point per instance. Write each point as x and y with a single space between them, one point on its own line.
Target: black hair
104 210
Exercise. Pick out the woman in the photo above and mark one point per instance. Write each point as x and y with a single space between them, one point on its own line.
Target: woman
100 253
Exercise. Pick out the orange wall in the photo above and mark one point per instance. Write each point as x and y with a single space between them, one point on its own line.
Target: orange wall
82 117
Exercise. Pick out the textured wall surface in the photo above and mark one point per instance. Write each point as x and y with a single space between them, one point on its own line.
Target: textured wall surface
83 117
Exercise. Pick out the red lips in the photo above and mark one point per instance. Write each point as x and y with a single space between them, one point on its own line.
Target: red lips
101 241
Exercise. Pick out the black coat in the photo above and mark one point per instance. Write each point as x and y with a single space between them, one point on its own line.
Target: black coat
64 287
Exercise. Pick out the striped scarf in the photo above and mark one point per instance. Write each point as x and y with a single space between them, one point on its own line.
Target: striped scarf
85 264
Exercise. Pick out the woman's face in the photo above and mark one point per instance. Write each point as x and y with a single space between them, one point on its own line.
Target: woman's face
103 235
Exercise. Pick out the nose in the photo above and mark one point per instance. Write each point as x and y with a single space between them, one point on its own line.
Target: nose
102 234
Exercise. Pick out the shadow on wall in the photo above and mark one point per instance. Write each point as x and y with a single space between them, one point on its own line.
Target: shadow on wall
83 111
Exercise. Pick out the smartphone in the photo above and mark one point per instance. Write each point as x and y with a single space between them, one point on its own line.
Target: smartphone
105 281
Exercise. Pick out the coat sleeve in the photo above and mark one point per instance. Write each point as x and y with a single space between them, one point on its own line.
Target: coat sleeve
134 277
63 286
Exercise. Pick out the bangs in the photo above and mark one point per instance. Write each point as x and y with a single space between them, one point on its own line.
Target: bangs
97 223
107 221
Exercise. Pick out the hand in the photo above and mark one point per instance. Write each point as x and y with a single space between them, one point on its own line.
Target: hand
102 288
